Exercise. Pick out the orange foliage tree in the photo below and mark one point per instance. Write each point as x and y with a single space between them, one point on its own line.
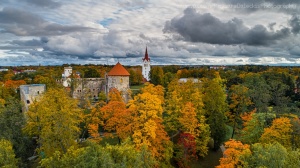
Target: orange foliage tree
11 86
231 156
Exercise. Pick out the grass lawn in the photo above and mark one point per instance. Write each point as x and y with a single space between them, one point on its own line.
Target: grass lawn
136 89
137 86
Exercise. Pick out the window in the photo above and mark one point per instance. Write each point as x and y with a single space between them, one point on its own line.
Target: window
28 101
121 80
38 92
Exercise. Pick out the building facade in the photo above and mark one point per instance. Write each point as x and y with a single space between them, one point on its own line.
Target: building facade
118 77
31 93
66 76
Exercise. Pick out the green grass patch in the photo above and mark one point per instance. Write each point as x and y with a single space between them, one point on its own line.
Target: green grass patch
137 86
135 89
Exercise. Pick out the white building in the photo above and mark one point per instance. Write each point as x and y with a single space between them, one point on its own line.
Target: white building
146 66
66 76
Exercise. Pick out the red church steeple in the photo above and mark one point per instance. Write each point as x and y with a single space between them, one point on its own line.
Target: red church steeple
146 56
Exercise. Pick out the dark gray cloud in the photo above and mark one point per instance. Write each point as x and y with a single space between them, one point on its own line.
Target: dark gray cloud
295 24
33 42
44 3
23 23
196 27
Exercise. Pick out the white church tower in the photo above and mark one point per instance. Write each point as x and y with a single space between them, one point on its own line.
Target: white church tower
146 66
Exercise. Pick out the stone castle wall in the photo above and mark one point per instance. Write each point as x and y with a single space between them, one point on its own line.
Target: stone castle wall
90 87
30 93
119 82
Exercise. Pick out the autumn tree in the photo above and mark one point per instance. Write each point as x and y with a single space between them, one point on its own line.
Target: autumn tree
11 87
259 91
178 95
91 73
184 113
135 77
254 124
239 102
296 132
114 95
147 126
7 155
94 155
157 90
168 77
185 150
280 131
55 120
116 118
48 81
92 121
266 155
156 75
232 155
215 106
110 116
11 123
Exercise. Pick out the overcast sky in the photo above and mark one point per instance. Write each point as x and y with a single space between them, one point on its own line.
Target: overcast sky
219 32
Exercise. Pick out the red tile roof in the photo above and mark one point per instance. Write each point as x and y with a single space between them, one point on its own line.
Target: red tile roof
118 70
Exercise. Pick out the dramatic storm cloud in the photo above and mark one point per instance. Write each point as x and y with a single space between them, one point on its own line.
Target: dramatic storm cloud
295 24
24 23
107 31
196 27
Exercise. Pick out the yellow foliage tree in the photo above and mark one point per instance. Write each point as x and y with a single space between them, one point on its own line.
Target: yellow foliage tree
280 131
180 93
55 120
7 155
184 112
147 125
155 90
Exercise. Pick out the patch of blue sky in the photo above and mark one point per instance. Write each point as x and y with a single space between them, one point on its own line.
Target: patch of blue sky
106 22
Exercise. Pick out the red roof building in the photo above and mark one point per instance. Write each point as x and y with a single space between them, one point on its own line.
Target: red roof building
118 70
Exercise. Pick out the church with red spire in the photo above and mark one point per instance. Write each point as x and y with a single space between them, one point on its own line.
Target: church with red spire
146 66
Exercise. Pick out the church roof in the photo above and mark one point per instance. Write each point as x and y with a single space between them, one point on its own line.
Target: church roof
118 70
146 56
